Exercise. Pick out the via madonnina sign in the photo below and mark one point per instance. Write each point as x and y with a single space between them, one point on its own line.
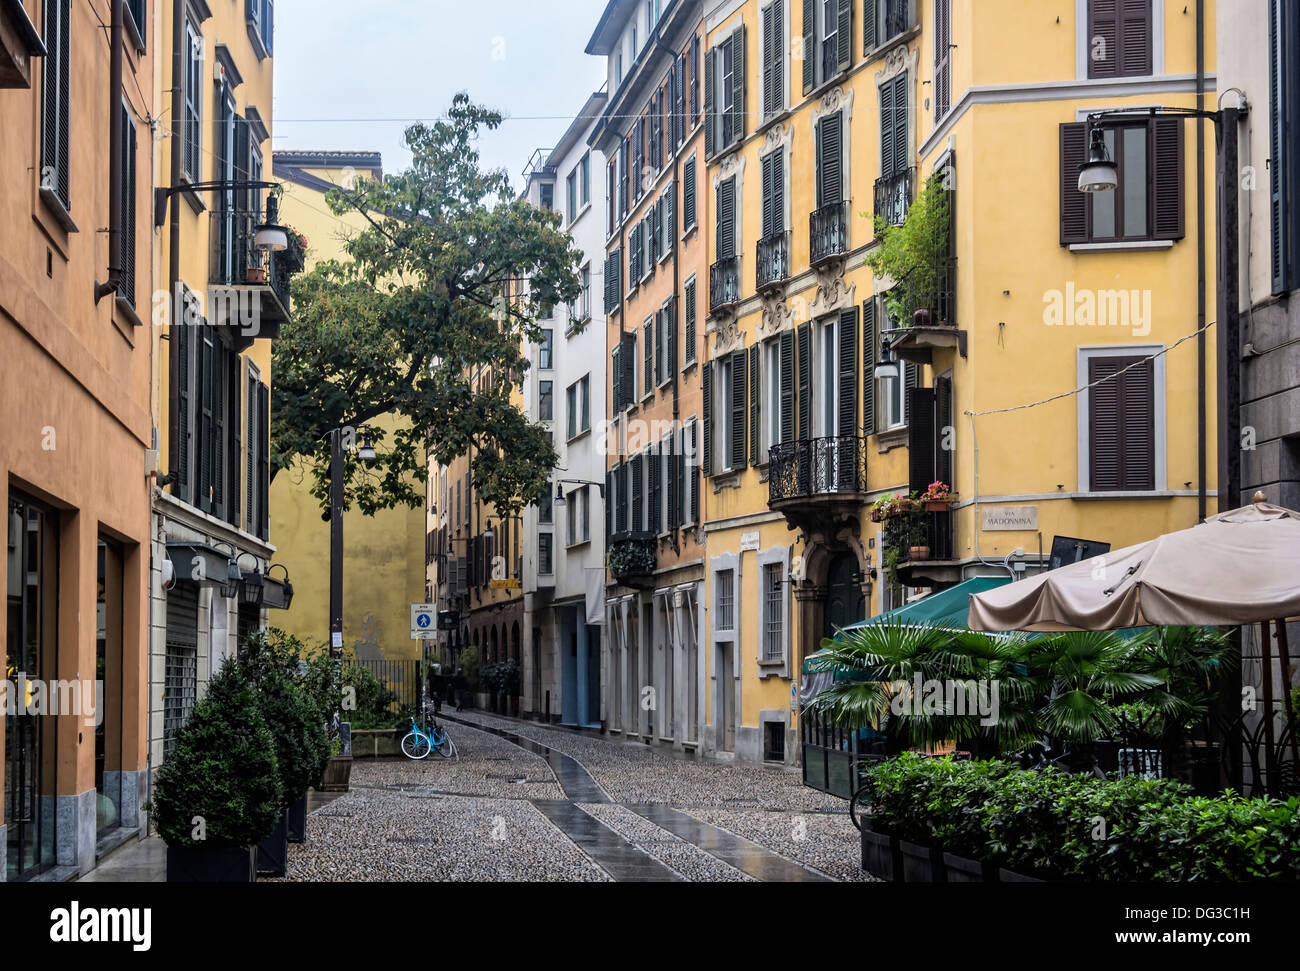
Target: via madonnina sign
1009 519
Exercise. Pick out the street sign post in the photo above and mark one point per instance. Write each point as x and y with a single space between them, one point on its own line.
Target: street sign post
424 622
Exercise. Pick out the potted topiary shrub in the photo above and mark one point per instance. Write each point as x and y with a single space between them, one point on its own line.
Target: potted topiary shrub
218 791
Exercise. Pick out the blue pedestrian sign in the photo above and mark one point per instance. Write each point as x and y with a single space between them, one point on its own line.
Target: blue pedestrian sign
424 622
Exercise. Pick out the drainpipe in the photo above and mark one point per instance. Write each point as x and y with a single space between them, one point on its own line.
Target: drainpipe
174 242
116 162
1202 444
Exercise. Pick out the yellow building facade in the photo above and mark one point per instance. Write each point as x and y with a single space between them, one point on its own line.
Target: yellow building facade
1046 352
383 559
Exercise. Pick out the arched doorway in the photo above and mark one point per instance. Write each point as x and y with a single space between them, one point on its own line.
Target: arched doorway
845 603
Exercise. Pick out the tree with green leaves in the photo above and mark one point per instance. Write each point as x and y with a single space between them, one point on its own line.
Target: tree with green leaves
425 321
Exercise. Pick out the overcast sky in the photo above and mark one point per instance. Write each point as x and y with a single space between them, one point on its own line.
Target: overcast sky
343 69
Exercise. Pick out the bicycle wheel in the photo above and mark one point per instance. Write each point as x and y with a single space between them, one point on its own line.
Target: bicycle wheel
442 744
415 746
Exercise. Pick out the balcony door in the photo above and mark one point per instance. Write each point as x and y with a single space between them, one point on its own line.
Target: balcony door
31 653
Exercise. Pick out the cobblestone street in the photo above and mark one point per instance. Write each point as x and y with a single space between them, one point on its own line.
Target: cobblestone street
611 810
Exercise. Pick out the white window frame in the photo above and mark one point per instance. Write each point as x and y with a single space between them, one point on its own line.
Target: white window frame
1160 418
778 556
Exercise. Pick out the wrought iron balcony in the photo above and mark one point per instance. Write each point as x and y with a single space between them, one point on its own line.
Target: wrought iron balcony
632 555
816 467
773 265
894 195
254 283
724 283
926 297
828 232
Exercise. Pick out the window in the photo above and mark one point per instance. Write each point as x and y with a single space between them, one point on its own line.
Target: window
943 57
545 400
1119 38
571 194
726 606
1119 421
193 54
584 298
137 10
724 93
548 195
729 403
578 403
545 554
773 57
827 41
883 20
56 111
1147 204
126 279
774 194
546 350
584 179
546 509
261 27
773 628
579 516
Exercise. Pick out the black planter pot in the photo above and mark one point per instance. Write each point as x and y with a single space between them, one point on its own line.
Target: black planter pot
1010 876
959 869
273 851
921 864
225 865
298 820
880 855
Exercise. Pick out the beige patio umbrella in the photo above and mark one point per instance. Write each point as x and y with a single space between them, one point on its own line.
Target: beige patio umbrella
1239 567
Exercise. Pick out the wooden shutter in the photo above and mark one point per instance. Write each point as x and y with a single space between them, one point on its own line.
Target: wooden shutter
180 333
739 400
616 378
252 515
755 408
629 369
670 319
869 33
830 182
1074 204
771 56
206 340
844 35
848 376
688 325
688 193
945 433
706 389
670 219
126 284
726 242
1103 38
648 354
1121 420
671 484
55 109
868 367
1166 166
902 111
942 58
1135 40
219 382
920 438
768 219
1279 77
695 474
234 447
809 45
887 112
710 121
803 337
635 520
738 84
786 390
654 516
263 459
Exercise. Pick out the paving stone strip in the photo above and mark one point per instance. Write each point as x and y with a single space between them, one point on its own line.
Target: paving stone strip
618 857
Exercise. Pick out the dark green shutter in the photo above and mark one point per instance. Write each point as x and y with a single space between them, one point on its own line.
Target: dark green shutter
688 193
204 397
755 406
804 341
674 517
654 517
263 459
616 380
706 389
830 182
180 333
710 125
726 243
648 354
695 474
739 400
636 521
848 403
670 316
768 222
787 386
844 35
942 58
126 279
738 84
219 383
809 46
234 447
902 108
868 367
629 369
920 438
869 35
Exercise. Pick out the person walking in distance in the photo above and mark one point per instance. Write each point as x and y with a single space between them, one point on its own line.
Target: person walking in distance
461 684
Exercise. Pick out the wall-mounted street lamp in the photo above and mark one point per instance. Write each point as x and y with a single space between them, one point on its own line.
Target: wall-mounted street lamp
1099 173
270 236
886 367
561 501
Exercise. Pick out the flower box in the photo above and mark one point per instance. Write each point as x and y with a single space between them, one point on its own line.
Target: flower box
880 854
921 864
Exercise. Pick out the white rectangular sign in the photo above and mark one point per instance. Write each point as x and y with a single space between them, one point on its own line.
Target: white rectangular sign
1009 519
424 622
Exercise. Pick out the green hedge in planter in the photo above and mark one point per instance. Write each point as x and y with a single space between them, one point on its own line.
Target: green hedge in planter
1078 827
222 768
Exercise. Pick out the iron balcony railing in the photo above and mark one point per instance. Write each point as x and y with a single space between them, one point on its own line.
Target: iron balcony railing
936 527
828 231
724 283
236 262
815 467
773 264
894 196
927 296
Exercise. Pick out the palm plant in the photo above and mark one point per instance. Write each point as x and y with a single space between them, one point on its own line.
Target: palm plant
1185 661
1079 673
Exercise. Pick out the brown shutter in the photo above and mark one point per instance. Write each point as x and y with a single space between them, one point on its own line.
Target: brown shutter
1121 424
1074 204
1135 38
1167 173
1103 38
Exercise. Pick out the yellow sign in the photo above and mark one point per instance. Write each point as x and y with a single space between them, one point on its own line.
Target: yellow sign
505 584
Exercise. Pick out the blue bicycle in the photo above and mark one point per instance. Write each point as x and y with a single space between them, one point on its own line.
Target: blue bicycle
419 742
